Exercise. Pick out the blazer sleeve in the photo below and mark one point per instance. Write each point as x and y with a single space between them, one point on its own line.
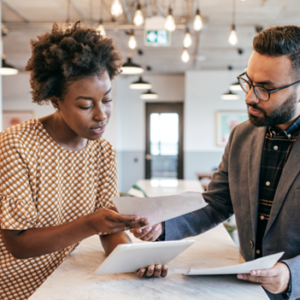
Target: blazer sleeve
219 206
294 266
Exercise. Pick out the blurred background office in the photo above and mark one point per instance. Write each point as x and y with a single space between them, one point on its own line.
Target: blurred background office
177 99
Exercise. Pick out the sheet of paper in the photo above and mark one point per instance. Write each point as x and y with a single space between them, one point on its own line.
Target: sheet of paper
265 262
159 209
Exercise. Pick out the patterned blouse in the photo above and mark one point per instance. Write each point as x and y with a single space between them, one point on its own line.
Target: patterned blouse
41 185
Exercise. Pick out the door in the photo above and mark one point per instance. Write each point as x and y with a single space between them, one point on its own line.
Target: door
164 141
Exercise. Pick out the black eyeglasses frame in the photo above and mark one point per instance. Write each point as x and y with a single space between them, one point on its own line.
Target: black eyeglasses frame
269 91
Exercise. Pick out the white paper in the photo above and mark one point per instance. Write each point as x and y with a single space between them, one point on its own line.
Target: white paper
159 209
261 263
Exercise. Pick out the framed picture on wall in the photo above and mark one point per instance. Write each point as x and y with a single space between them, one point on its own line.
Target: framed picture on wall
14 117
226 121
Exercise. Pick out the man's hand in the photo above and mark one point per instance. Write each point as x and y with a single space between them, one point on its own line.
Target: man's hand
153 271
150 233
275 280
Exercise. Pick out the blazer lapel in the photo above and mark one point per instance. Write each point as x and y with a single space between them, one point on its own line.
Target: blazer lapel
255 154
289 173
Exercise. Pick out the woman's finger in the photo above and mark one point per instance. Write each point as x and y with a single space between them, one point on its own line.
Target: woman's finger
157 271
140 272
164 270
150 271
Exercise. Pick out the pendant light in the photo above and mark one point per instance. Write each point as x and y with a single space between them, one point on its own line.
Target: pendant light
198 22
101 28
116 8
235 87
140 85
129 68
149 95
138 19
230 96
233 39
185 55
187 41
170 22
132 41
7 69
68 24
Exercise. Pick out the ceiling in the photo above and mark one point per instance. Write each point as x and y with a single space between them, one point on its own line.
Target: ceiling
26 19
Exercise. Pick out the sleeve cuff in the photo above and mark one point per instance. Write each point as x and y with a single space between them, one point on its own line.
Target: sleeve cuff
162 236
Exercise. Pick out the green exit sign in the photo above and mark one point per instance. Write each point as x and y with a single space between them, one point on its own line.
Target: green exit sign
157 37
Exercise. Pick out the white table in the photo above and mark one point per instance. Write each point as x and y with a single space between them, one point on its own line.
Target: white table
164 187
75 278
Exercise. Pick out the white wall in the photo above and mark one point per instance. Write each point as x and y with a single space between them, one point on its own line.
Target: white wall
202 101
203 90
16 95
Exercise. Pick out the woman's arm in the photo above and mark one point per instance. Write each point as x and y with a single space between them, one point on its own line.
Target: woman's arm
39 241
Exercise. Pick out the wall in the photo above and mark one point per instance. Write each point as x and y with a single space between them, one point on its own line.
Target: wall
202 100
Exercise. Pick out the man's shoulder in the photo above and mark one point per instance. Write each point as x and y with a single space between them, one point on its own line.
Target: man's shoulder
245 129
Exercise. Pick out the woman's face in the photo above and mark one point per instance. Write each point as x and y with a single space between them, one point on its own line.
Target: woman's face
87 106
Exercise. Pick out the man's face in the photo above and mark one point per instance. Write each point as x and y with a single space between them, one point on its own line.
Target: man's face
270 73
87 106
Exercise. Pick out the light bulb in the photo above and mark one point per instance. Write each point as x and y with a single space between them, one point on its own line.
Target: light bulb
187 41
101 29
138 19
170 22
198 23
185 55
233 39
116 8
132 42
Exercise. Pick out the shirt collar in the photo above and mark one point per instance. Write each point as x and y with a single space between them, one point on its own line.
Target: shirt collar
289 132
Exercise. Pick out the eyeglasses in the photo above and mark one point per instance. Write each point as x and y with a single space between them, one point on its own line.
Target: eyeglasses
261 93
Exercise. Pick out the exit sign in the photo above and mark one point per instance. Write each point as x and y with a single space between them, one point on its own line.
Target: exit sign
159 37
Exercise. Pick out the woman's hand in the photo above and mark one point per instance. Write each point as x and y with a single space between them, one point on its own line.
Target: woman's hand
109 221
153 271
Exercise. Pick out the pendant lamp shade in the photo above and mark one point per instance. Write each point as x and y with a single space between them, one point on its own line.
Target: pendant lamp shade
235 87
149 95
140 85
7 69
230 96
129 68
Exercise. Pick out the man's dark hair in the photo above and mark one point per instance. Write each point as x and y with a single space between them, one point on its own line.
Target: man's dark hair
278 41
64 55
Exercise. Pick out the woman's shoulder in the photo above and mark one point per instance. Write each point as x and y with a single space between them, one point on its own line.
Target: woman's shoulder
23 134
105 147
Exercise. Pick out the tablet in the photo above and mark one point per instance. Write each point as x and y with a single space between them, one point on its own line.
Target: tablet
131 257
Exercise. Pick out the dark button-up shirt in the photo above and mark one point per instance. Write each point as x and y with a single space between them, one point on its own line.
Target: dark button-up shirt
276 150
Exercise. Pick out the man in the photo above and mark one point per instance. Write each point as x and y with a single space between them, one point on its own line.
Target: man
258 178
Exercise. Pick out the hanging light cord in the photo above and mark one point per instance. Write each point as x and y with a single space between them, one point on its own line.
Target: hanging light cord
233 12
68 12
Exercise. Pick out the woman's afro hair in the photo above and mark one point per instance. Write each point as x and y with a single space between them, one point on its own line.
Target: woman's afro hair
66 54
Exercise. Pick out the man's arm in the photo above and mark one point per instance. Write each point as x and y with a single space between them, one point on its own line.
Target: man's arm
219 209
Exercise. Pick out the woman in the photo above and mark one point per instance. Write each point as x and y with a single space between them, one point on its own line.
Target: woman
57 174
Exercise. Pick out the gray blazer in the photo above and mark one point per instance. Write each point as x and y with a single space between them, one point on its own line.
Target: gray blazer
234 188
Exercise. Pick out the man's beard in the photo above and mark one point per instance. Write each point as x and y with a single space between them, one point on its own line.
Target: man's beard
280 115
